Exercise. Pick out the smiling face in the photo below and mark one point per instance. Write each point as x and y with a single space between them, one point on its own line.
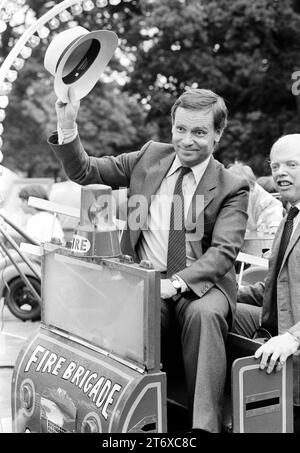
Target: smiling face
285 166
194 135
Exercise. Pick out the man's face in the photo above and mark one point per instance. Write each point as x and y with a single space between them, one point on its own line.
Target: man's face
285 166
193 135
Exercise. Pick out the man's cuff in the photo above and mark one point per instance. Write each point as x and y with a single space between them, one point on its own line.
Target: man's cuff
66 135
184 286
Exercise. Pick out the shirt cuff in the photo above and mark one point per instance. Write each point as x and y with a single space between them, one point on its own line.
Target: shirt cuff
66 135
184 286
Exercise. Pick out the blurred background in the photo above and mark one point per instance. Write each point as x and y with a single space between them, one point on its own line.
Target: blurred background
248 52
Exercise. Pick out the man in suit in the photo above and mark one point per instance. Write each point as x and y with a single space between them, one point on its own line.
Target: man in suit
273 306
197 294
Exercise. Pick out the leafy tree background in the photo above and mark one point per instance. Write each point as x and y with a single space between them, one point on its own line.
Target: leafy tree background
245 51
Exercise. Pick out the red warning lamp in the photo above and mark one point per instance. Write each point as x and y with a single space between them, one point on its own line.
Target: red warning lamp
96 235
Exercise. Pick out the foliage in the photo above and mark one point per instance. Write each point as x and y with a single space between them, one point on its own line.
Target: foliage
25 141
245 51
110 121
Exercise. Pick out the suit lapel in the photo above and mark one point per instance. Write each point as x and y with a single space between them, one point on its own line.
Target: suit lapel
276 245
290 246
155 176
207 183
153 179
275 250
277 239
206 189
203 195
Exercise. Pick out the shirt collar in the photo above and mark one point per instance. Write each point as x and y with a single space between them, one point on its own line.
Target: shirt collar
297 205
198 170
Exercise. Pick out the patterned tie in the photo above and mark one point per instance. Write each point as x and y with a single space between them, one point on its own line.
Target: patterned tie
286 235
272 320
176 260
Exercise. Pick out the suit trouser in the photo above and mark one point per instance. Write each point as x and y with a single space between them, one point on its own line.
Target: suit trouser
203 330
247 319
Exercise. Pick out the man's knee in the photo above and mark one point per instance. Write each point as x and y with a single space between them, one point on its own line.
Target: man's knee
247 319
247 312
205 312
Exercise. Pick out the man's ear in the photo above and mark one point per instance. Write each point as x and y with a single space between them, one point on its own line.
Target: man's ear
218 136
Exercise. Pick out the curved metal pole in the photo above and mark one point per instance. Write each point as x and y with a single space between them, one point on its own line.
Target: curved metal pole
18 230
29 32
16 248
22 275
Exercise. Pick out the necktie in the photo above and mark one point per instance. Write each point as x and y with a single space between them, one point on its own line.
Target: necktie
176 260
286 235
271 324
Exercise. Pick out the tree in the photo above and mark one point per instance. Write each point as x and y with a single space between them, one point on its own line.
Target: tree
245 51
24 144
110 121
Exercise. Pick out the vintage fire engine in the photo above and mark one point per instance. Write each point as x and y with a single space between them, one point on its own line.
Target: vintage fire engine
94 364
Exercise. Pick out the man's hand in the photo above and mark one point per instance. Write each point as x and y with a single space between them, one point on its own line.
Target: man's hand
278 348
67 113
167 290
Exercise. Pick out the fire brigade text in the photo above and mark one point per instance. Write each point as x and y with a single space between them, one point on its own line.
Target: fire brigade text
99 389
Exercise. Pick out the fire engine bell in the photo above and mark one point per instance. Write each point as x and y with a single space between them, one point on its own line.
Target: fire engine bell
96 234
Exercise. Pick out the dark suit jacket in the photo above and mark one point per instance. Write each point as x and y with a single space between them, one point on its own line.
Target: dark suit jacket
225 206
288 288
285 314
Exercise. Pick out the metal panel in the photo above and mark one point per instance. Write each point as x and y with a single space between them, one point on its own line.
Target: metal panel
109 303
262 403
61 386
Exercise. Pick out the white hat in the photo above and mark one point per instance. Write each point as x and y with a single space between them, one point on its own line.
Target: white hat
76 58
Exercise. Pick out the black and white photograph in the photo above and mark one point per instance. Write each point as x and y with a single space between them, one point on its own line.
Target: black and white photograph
149 220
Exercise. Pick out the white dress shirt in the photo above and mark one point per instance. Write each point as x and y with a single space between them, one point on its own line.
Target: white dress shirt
153 244
66 135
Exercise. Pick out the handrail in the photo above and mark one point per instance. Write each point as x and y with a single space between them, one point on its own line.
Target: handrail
18 230
15 246
22 275
250 259
17 249
55 208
